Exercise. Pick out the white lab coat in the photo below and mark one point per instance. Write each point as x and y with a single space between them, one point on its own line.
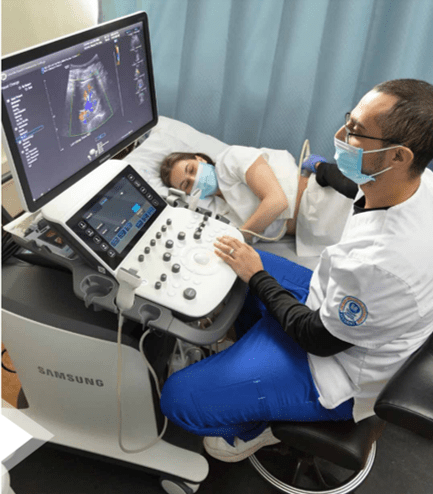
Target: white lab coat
374 290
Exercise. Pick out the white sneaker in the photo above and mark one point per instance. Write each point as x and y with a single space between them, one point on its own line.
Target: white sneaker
220 449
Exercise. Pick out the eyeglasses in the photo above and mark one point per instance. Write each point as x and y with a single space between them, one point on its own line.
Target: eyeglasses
348 134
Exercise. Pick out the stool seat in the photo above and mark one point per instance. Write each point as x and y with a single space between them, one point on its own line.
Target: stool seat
347 444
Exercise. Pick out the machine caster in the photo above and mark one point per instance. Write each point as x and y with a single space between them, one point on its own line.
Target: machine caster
178 486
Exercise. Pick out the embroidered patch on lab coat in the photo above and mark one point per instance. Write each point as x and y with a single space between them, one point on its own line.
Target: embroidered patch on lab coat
352 311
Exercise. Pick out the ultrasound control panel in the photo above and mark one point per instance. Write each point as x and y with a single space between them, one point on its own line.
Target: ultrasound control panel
177 263
127 225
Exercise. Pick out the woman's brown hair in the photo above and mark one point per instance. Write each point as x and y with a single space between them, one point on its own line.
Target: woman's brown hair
170 161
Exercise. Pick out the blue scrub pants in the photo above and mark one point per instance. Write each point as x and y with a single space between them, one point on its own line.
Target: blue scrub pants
263 377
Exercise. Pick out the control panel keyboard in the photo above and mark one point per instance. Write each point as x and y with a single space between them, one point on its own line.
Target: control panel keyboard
177 264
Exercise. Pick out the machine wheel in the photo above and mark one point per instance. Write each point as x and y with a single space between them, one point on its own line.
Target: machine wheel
309 475
178 486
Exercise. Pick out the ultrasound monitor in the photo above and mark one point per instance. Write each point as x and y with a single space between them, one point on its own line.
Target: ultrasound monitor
71 104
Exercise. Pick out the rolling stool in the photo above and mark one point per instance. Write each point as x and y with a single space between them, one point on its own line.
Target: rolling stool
331 457
336 457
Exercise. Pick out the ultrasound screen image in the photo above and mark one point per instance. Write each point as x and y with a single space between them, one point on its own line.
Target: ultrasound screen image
91 98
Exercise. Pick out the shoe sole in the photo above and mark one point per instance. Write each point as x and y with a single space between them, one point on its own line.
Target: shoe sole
241 456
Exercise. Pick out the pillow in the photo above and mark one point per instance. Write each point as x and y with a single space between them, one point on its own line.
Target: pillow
167 137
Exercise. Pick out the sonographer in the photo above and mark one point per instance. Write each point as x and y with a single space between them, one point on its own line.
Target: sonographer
321 345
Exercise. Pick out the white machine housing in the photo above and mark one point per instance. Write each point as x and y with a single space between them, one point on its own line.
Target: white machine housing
70 381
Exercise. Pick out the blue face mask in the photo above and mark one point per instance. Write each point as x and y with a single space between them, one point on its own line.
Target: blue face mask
349 161
205 180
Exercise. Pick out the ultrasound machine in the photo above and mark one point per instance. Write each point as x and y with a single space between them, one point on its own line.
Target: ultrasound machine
141 268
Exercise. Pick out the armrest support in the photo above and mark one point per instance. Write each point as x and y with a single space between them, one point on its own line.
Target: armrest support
407 399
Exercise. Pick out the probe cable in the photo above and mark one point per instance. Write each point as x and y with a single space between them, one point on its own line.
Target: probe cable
119 384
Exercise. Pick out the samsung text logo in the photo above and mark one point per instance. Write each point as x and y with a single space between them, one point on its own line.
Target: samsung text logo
71 377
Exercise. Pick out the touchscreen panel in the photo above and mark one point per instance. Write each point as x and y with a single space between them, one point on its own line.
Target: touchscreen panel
116 218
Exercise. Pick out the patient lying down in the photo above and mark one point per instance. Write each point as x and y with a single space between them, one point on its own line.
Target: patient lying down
260 186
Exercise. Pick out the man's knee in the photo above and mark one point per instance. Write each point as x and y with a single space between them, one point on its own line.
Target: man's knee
171 396
177 403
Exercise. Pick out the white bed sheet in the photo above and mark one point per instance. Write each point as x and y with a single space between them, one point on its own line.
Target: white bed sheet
170 135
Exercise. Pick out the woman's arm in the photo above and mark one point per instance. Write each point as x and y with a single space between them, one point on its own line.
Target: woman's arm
273 201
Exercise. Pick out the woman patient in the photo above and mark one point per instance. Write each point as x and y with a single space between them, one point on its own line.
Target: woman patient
259 185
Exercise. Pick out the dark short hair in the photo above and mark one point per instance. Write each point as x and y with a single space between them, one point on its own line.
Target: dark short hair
410 121
170 161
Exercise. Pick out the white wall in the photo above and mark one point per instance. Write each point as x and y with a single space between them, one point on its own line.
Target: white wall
29 22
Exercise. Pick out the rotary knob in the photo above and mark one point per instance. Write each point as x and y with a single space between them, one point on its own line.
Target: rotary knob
175 268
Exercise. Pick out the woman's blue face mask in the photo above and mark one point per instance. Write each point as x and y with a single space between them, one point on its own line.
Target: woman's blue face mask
205 180
349 161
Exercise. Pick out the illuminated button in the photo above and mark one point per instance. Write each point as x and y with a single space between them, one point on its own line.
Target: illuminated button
111 253
149 196
97 239
131 177
163 277
166 257
137 184
140 258
90 232
201 258
175 268
143 190
181 235
82 225
189 293
104 246
169 244
155 202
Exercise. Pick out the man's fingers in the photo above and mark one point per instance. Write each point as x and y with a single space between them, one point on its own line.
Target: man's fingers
225 257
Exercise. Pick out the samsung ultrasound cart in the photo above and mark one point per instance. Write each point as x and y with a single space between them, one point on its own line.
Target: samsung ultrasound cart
101 240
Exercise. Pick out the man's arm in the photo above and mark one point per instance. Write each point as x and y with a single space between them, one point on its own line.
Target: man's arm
328 174
298 321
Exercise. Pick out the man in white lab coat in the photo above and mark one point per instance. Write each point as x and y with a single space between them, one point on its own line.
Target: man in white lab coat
368 304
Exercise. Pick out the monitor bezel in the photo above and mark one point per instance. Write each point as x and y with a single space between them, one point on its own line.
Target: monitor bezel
25 56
